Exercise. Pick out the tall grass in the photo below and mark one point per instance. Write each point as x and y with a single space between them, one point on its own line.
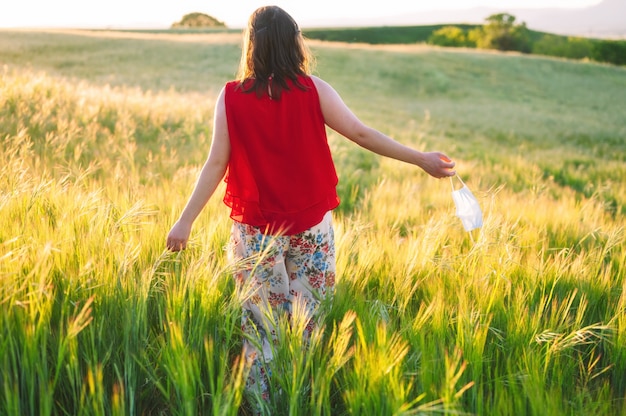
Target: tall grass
526 316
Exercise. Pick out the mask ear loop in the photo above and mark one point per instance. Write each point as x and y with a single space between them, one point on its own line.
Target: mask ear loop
452 182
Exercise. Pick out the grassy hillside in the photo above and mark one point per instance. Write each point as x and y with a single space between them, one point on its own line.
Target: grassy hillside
463 35
103 135
377 34
391 34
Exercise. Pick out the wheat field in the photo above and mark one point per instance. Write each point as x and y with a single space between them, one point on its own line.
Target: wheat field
102 136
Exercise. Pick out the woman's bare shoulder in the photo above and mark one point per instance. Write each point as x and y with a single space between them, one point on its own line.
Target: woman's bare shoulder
324 89
319 83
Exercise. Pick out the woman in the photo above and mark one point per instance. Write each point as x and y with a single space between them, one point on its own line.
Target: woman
270 146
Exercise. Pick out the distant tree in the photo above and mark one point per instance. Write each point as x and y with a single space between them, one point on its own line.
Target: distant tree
611 51
198 20
500 32
566 47
450 36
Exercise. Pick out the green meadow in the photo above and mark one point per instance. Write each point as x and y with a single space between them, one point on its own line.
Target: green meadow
103 134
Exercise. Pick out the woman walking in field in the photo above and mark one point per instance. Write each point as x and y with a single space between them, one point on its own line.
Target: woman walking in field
269 145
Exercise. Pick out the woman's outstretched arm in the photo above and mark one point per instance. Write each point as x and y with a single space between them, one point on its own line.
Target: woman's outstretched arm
340 118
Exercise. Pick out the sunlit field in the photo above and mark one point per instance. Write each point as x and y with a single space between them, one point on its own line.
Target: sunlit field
102 137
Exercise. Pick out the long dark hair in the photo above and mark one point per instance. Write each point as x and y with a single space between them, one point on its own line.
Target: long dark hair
273 52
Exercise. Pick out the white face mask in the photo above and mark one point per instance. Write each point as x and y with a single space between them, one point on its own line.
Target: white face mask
467 207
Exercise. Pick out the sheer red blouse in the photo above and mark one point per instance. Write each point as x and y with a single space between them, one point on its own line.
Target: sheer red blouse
281 176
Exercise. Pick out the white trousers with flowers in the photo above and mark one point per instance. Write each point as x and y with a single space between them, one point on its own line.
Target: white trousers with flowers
279 276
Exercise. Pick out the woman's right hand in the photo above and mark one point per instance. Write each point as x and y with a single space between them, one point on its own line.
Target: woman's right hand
178 236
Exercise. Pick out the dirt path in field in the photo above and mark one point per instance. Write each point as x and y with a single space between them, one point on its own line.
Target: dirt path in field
215 38
236 38
121 34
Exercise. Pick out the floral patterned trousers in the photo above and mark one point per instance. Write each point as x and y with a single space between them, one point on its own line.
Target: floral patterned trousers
278 276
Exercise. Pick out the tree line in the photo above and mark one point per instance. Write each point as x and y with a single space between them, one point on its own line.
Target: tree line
502 32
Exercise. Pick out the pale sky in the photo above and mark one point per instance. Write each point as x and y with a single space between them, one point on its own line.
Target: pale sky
235 13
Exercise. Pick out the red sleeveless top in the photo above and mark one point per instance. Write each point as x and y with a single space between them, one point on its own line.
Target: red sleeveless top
281 176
